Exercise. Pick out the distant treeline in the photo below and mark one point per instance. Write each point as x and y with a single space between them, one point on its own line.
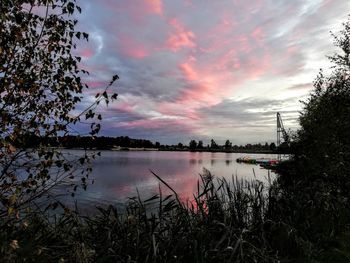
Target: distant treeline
228 147
125 142
87 142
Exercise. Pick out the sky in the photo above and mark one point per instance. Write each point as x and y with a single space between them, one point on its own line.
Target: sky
203 69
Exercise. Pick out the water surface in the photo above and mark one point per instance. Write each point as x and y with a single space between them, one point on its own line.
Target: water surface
118 175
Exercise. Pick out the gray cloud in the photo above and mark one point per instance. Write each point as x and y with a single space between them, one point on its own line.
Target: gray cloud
225 45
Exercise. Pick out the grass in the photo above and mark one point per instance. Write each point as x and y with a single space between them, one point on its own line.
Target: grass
238 221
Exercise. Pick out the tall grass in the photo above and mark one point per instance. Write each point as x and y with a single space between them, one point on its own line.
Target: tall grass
225 222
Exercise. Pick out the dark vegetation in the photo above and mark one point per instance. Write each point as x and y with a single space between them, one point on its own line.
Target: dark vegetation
87 142
303 216
125 142
228 147
102 142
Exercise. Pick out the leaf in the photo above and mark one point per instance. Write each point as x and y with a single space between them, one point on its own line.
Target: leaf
114 78
86 36
152 198
10 210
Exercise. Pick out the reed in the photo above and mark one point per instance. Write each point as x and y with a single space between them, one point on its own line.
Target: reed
236 221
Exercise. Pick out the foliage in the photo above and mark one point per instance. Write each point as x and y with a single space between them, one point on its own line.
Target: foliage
317 179
322 145
40 87
228 145
193 145
213 144
325 122
200 145
225 222
303 217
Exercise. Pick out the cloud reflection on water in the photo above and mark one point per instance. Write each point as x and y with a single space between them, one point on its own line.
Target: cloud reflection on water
118 175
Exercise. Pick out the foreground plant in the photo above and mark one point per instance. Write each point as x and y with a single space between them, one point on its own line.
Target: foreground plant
40 87
225 222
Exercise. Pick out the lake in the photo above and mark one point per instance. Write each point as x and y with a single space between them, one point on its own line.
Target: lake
118 175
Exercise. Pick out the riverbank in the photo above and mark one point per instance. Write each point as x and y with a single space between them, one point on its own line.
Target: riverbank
170 149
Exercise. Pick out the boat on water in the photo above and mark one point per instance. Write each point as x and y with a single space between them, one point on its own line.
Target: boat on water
264 162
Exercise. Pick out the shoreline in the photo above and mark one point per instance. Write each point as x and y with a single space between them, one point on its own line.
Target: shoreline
121 149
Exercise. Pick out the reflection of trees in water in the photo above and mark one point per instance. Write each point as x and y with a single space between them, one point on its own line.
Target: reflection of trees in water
212 162
228 162
195 161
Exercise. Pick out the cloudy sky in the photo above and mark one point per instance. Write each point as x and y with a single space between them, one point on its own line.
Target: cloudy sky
202 69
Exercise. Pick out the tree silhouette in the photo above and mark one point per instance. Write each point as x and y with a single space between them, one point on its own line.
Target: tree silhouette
213 144
228 145
316 180
193 145
324 137
40 86
200 145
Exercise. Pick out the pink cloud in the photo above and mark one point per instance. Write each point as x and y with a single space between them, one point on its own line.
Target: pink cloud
86 53
243 42
257 66
132 48
201 84
258 34
157 124
228 60
201 94
138 10
93 68
247 7
292 50
219 36
96 84
180 36
207 84
154 6
189 72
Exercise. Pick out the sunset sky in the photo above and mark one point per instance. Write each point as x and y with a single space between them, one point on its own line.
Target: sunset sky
202 69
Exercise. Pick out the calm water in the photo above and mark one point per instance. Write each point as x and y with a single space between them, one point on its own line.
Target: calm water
118 175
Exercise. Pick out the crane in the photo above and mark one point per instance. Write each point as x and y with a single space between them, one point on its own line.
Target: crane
281 131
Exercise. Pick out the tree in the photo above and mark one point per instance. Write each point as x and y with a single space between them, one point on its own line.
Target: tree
228 145
40 87
317 179
266 146
193 145
324 136
200 145
213 144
